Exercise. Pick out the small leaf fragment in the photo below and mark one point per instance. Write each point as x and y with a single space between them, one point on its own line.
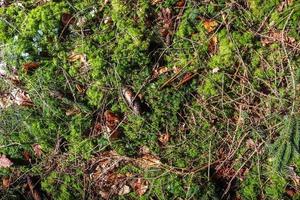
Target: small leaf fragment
67 19
5 162
5 182
37 150
164 138
140 186
124 190
30 66
148 161
210 25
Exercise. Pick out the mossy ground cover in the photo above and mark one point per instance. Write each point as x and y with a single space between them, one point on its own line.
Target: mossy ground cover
216 84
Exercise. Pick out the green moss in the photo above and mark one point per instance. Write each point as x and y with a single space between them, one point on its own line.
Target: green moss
121 41
225 56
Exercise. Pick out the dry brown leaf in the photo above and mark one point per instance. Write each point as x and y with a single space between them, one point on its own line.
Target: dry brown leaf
124 190
144 150
212 46
5 101
284 4
160 71
26 156
21 98
153 2
77 57
5 182
30 66
111 124
277 36
80 88
290 192
67 19
37 149
293 176
5 162
148 161
34 192
111 119
210 25
132 100
72 111
180 3
186 78
176 70
140 186
250 144
164 138
97 129
166 24
84 65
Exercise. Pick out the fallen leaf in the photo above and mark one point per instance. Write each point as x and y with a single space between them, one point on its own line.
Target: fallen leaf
160 71
72 111
291 192
284 4
84 65
144 150
5 182
37 149
97 129
215 70
26 156
212 46
5 162
176 70
30 66
277 36
5 101
180 3
210 25
34 191
132 100
153 2
140 186
250 144
164 138
148 161
111 119
104 194
67 19
20 97
293 176
111 124
166 24
124 190
186 78
77 57
80 88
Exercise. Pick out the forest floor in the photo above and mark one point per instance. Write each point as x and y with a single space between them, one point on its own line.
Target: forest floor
150 99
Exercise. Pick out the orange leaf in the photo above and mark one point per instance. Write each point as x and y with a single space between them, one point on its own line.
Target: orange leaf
210 25
212 46
30 66
26 156
160 71
5 182
164 138
180 3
